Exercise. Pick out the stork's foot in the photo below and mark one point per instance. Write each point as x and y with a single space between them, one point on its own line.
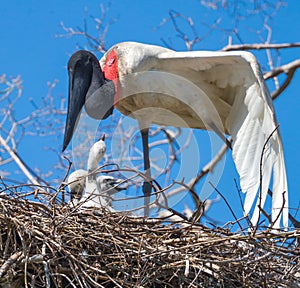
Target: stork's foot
147 192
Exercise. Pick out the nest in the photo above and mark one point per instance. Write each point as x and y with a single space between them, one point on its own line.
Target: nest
43 244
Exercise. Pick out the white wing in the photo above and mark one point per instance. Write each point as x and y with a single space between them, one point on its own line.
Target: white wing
235 78
257 147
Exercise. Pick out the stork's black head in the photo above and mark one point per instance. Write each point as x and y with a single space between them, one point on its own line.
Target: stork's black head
87 86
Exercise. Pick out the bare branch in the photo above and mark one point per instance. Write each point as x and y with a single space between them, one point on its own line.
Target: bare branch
283 69
289 69
211 165
260 46
96 43
225 200
15 157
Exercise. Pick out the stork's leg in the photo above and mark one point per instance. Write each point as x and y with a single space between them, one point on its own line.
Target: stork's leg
147 184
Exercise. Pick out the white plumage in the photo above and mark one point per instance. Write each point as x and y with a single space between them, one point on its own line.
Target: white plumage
76 185
220 91
234 84
93 196
89 190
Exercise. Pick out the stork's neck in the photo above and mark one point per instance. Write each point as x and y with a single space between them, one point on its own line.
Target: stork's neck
111 72
99 100
96 153
92 166
93 160
110 68
97 79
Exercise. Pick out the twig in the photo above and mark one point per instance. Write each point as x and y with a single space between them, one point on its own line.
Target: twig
211 165
233 214
10 261
17 160
289 69
261 174
96 248
260 46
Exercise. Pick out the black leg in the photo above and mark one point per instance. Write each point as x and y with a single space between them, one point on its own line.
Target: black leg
147 184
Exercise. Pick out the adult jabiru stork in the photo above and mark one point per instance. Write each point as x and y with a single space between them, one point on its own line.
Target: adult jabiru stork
220 91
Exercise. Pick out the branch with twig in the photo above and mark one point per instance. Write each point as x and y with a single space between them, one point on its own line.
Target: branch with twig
18 161
260 46
288 69
96 43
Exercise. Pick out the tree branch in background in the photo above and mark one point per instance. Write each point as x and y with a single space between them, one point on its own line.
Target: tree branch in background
189 43
209 167
194 38
190 186
260 46
288 69
15 128
96 43
18 161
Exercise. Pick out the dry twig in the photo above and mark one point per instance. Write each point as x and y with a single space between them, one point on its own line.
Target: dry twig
95 248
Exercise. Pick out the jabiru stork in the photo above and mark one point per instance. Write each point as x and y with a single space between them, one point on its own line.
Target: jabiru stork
220 91
90 190
76 185
108 186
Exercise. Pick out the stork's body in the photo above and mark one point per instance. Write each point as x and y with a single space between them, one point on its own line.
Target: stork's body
89 190
93 196
219 91
108 187
76 184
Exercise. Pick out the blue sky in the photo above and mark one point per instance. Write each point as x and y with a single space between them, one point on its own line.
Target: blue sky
30 48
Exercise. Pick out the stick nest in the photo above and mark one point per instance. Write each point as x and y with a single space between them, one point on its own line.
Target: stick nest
47 245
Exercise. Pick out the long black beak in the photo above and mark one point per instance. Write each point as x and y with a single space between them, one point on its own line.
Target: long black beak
89 88
78 87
